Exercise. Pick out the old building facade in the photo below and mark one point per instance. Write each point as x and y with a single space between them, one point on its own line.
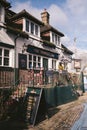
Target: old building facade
30 49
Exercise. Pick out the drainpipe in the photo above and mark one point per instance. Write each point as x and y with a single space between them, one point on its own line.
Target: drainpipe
15 40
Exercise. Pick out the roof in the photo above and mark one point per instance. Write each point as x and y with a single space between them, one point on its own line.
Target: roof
66 50
48 27
17 31
25 14
4 38
5 3
12 26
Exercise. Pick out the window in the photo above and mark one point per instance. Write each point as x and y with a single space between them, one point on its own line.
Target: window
30 61
52 37
55 39
4 57
54 64
27 25
34 61
32 28
58 40
36 30
39 61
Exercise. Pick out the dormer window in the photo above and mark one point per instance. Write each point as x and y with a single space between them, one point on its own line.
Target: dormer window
55 39
32 28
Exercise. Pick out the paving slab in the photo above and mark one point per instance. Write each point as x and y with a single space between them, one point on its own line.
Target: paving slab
81 124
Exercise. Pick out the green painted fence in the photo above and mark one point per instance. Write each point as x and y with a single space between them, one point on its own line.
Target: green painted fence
60 95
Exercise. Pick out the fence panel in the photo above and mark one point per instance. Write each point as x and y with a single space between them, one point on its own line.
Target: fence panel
6 77
59 95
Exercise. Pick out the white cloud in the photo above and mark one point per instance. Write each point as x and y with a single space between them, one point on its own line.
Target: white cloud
28 7
57 16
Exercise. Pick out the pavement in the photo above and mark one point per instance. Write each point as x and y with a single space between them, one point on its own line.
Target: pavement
81 123
63 117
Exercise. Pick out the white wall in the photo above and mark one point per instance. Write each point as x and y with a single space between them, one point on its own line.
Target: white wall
2 15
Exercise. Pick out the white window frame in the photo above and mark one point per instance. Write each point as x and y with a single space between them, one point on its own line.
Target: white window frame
36 64
53 64
55 38
35 28
3 57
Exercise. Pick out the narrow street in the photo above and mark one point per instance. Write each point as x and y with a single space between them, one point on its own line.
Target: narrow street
65 116
81 124
62 117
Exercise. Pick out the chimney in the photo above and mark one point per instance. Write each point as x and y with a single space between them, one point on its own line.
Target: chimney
45 17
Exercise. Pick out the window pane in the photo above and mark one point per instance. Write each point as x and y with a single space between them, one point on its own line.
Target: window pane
30 57
52 37
0 52
34 64
6 53
27 25
59 40
39 65
30 64
36 30
39 59
32 28
0 61
34 58
56 39
6 61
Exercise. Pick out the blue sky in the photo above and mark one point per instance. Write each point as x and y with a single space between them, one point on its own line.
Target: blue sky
68 16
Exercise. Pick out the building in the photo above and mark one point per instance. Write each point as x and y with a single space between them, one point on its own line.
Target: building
29 48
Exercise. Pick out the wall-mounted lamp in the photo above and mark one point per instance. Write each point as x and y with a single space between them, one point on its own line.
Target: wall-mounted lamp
24 48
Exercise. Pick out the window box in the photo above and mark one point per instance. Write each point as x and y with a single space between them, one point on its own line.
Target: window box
49 44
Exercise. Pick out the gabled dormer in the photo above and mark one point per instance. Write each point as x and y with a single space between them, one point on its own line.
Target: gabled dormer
48 33
4 5
29 24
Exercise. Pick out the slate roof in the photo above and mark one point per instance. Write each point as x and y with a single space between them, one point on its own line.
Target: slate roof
25 14
67 50
48 27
